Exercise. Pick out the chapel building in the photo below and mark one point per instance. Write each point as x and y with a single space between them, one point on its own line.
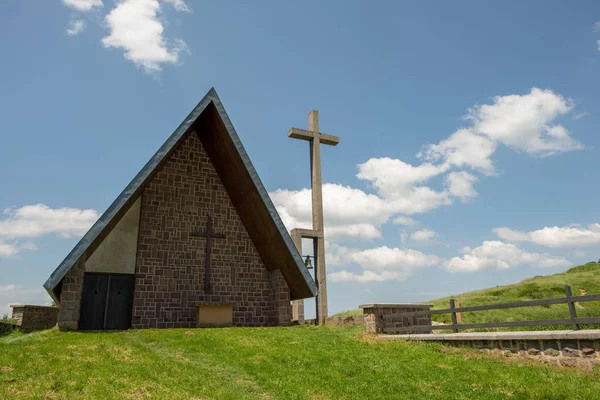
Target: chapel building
193 241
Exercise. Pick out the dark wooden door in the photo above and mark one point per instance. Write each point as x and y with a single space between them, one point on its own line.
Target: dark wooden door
106 301
119 301
93 302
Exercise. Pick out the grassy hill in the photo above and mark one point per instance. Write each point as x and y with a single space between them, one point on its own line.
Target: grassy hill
584 279
302 362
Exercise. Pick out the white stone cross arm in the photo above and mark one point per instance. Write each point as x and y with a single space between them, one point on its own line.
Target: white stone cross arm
313 132
297 133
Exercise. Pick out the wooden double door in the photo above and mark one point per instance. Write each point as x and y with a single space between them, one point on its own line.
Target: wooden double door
106 301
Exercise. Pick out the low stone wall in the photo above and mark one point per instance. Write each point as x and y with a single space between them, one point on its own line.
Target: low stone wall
567 348
348 320
6 328
377 316
31 318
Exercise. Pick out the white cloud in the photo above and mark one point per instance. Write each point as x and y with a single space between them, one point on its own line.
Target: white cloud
392 177
33 221
404 220
511 235
178 5
17 294
460 184
342 205
417 200
39 219
366 276
378 264
498 255
136 28
423 235
347 212
464 148
75 27
393 258
7 249
362 231
83 5
396 181
596 27
555 236
580 115
350 212
526 122
380 258
337 255
522 122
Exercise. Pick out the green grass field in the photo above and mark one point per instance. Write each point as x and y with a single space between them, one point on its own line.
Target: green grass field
584 279
302 362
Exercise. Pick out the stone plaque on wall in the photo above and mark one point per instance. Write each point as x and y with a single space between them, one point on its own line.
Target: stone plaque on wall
214 315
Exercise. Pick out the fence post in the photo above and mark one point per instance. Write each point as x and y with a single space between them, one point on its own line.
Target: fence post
572 309
454 321
458 314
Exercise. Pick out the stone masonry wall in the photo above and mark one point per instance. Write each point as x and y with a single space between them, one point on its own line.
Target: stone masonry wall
378 319
70 297
31 318
566 352
281 294
170 264
348 320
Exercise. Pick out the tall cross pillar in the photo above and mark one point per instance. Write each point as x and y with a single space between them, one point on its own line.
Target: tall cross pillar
297 305
315 138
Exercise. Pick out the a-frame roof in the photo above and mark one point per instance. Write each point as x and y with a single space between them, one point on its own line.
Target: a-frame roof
248 194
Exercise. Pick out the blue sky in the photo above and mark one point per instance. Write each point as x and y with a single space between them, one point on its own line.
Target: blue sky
468 129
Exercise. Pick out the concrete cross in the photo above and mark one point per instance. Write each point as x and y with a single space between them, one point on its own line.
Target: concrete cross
209 234
315 138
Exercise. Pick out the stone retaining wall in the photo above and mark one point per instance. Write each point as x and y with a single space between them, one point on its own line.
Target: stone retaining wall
31 318
348 320
567 348
566 352
569 353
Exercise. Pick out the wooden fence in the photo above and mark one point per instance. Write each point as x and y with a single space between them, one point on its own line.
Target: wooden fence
569 299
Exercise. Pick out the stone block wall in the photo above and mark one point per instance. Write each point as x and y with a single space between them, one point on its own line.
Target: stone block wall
281 293
170 263
378 317
70 297
298 312
31 318
348 320
565 352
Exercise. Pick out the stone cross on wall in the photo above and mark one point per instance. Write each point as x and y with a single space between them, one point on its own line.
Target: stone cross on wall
209 234
315 138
